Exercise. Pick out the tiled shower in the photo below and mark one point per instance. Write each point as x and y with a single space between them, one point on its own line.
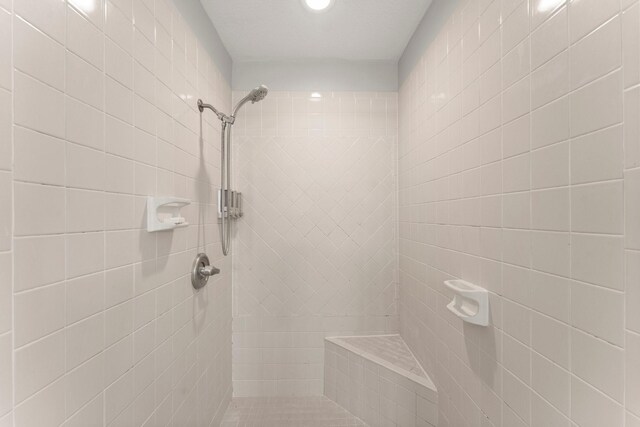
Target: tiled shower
499 152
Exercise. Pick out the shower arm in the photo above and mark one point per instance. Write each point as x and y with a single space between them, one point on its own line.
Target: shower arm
223 117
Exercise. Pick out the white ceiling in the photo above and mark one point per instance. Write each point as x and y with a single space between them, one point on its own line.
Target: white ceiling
285 29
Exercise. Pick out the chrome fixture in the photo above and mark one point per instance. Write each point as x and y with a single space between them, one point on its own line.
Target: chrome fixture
235 205
229 202
221 116
201 271
256 95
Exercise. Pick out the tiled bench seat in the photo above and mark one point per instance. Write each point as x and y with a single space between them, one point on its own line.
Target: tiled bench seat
378 379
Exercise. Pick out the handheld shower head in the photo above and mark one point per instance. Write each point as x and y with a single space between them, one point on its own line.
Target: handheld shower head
259 93
256 95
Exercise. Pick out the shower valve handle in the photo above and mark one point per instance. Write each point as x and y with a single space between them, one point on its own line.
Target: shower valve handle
202 270
209 271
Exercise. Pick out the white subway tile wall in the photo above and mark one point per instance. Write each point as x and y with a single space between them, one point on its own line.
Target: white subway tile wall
518 171
99 324
315 253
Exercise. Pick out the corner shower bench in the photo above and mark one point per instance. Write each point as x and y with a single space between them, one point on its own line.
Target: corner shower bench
378 379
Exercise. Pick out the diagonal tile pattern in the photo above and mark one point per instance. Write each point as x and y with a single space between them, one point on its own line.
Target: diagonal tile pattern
317 241
390 348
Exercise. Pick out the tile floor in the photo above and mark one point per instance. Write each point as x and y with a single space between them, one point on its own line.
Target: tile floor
308 411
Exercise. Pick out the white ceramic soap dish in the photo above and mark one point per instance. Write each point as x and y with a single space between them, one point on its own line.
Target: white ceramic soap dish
470 302
163 213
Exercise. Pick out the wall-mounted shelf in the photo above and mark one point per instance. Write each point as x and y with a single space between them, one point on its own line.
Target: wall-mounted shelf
470 302
163 213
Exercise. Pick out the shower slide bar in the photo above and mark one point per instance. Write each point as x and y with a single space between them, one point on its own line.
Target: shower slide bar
229 201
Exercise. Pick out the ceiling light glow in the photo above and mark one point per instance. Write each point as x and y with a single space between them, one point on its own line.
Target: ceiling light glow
86 6
548 5
318 5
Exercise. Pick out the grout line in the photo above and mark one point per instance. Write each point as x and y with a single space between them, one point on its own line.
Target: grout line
625 283
12 17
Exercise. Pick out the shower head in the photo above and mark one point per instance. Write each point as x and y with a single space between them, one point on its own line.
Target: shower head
256 95
259 93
